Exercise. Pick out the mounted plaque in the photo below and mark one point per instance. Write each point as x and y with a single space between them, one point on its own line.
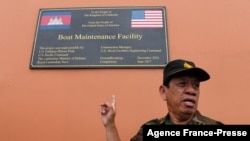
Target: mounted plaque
107 37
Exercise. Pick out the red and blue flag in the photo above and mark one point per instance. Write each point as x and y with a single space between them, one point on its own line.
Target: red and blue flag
147 19
55 20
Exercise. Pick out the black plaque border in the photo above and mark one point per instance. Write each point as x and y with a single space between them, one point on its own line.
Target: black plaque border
149 66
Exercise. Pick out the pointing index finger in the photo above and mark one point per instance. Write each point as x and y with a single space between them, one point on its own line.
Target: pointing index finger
113 102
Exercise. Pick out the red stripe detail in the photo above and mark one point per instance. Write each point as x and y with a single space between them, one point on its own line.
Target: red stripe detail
66 19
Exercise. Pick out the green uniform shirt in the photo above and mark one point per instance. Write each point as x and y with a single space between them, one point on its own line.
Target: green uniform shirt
198 119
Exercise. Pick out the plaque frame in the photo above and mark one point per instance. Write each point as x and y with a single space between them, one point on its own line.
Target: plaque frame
101 37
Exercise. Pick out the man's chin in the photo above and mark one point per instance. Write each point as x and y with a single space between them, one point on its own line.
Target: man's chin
189 111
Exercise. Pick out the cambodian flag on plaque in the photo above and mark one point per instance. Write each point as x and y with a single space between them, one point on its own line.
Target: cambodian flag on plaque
55 20
147 19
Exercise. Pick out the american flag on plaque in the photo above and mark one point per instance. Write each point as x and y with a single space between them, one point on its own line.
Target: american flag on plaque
147 19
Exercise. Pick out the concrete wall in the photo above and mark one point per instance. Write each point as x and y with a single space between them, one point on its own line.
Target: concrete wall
63 104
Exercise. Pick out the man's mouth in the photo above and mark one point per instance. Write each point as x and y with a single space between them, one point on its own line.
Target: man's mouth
189 102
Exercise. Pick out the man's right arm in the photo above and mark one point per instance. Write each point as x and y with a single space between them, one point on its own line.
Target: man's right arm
108 114
112 133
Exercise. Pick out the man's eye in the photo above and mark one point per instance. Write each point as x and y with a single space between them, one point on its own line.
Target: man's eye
196 85
181 84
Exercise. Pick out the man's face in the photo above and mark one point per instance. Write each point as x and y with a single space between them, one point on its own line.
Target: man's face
182 95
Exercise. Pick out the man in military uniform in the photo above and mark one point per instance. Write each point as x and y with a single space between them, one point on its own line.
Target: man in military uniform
180 90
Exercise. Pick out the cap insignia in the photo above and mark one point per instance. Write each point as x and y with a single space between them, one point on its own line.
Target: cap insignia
187 66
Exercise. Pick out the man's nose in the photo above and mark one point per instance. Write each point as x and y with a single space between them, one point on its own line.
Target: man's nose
191 89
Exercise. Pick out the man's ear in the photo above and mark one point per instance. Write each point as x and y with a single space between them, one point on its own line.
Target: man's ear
163 92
